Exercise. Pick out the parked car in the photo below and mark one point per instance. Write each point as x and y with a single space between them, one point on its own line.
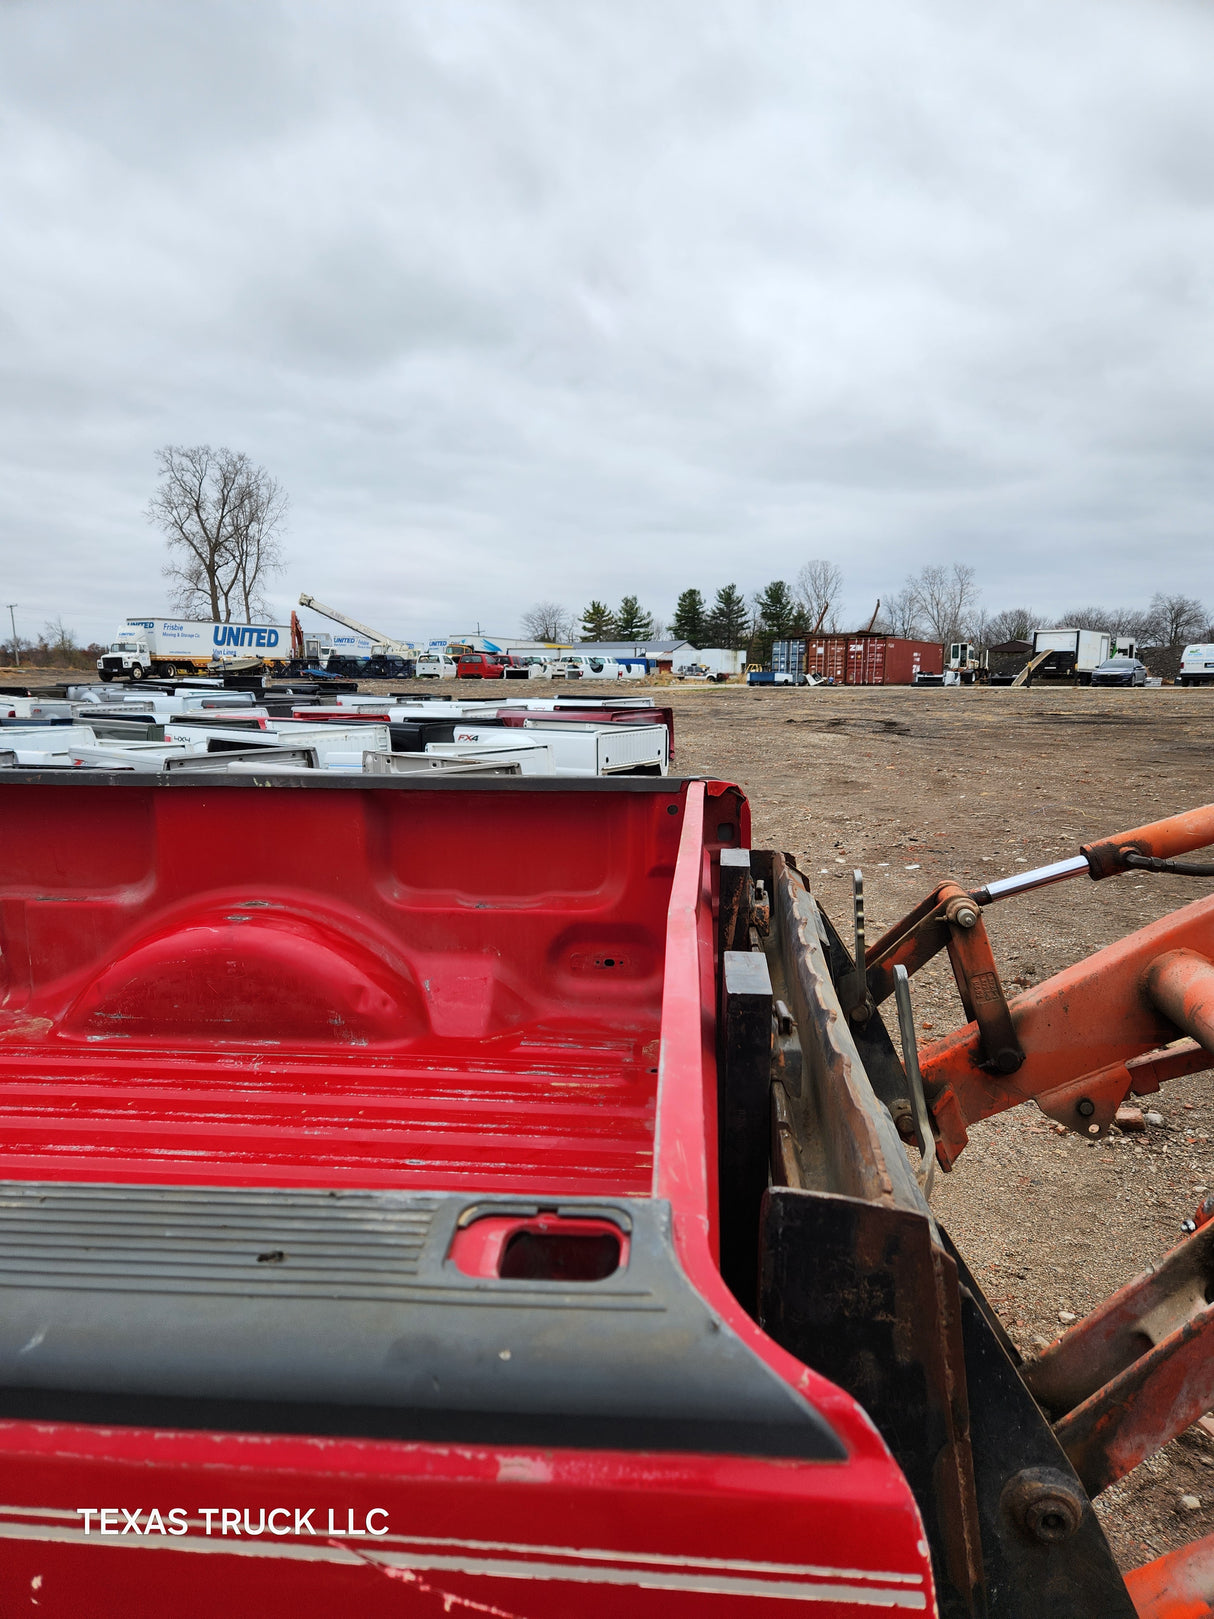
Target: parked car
435 666
483 666
1196 665
1120 672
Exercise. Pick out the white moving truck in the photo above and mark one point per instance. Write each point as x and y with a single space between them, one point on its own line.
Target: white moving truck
179 646
1071 652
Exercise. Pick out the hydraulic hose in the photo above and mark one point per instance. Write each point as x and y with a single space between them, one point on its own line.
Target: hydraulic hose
1175 868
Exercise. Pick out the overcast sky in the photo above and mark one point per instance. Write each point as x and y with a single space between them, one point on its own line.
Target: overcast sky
530 299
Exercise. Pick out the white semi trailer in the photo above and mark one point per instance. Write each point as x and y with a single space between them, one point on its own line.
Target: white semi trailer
178 646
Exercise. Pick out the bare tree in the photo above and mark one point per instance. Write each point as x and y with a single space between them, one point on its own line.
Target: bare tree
818 586
548 621
900 612
222 518
1084 618
58 639
1172 621
1012 624
946 598
1117 620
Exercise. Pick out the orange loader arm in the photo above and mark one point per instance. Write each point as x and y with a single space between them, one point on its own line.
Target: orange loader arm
1126 1019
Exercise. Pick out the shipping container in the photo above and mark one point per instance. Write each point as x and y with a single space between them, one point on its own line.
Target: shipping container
788 658
859 660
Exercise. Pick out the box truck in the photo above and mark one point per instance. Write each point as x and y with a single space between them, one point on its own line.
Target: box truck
1070 652
177 646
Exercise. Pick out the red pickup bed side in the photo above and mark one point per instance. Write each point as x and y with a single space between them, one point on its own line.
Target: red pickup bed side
358 1243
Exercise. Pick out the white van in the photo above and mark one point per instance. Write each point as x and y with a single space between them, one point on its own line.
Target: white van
435 666
1197 665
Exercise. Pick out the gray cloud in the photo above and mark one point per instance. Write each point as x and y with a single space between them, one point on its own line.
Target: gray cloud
564 299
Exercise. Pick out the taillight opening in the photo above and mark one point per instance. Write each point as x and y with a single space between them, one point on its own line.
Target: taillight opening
540 1248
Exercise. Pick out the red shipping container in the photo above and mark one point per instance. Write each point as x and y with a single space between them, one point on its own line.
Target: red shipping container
826 656
872 660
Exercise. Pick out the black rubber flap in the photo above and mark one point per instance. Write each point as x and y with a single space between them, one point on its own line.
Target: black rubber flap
339 1312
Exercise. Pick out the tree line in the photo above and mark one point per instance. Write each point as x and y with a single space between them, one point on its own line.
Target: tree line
941 602
727 620
56 648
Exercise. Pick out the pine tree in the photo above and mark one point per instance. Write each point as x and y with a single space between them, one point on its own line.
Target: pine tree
689 622
598 623
632 622
776 617
729 621
776 610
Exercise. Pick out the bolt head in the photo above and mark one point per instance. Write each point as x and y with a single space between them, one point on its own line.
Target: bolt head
1045 1505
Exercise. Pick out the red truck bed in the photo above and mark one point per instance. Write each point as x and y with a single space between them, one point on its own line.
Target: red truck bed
358 1218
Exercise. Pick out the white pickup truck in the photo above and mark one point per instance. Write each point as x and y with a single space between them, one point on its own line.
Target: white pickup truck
435 666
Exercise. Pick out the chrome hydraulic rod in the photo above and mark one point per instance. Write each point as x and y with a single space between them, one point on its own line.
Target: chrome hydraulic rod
1040 877
1147 848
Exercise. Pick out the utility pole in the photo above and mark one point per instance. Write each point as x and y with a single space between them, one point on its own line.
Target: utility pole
13 622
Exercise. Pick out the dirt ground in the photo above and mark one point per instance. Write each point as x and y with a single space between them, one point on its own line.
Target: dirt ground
913 786
916 785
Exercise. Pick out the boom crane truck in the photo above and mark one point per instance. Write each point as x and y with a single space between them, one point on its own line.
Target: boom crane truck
504 1197
374 656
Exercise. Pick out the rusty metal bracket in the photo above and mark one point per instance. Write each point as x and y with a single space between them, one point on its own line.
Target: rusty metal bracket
868 1297
973 963
843 1287
950 919
734 899
853 988
1138 1370
912 942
